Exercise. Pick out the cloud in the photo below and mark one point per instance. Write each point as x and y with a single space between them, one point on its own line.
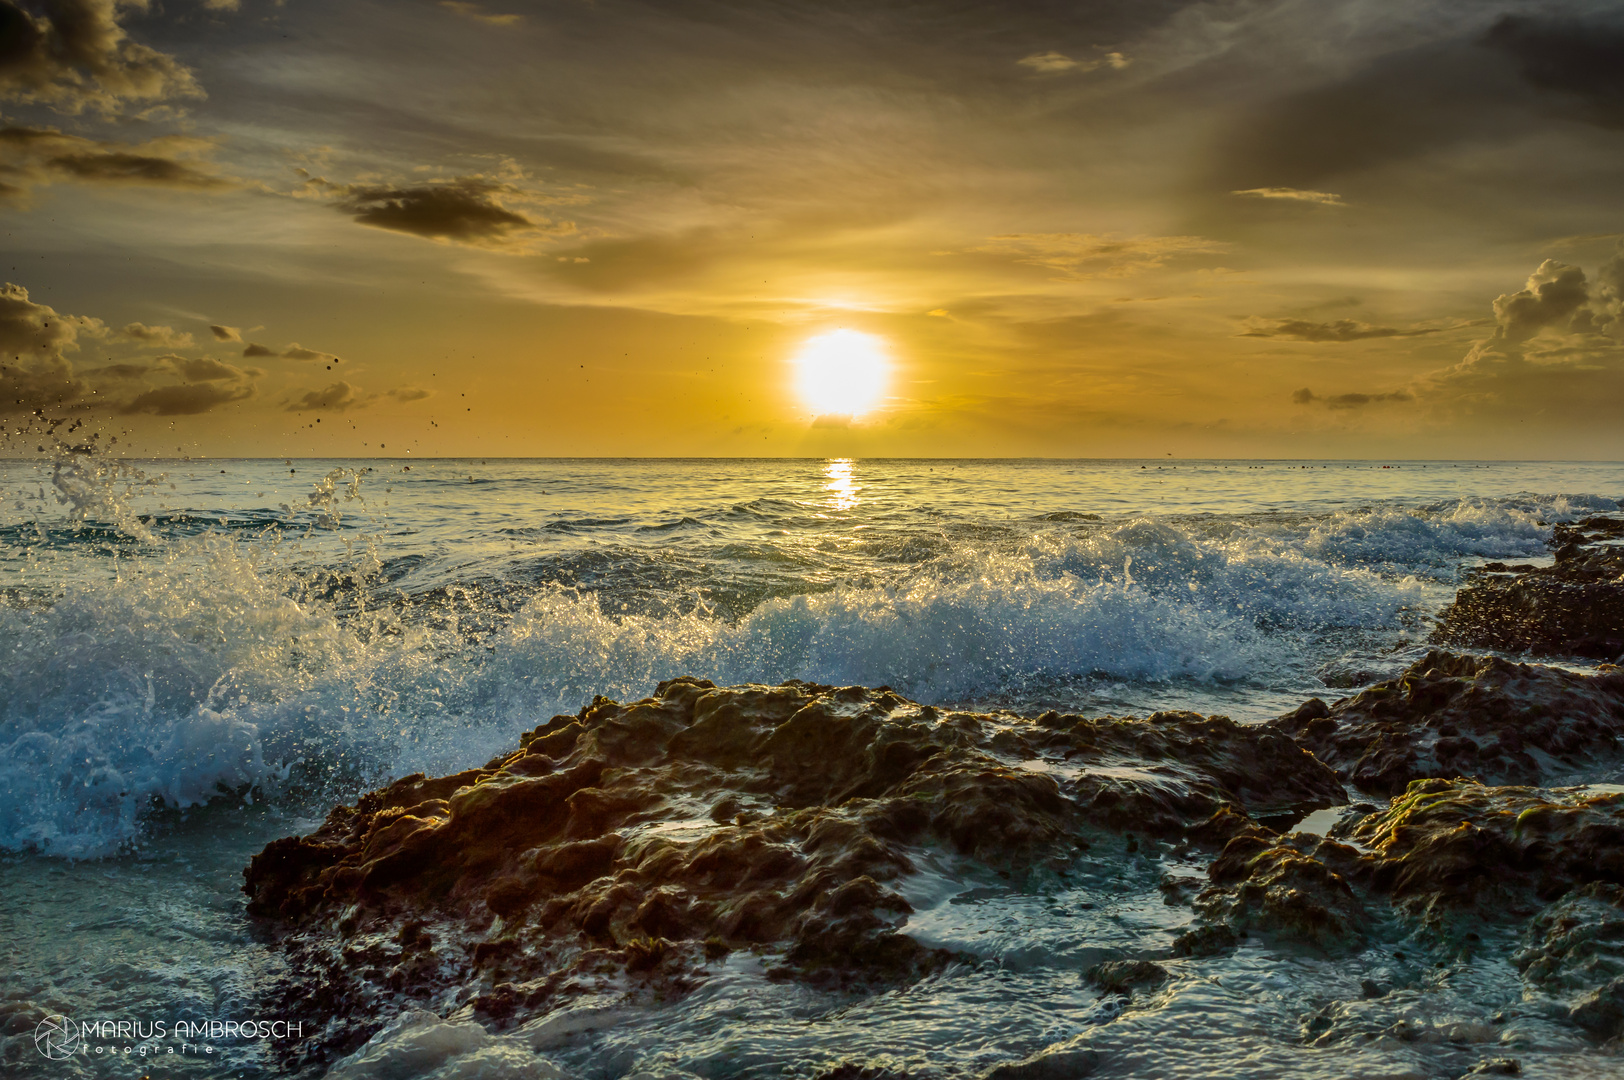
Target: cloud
34 157
464 210
1047 62
337 397
164 337
37 376
226 333
1584 59
1339 330
1081 255
1323 198
1052 63
188 399
207 369
1553 294
73 55
477 11
253 349
410 393
296 351
1306 396
1557 348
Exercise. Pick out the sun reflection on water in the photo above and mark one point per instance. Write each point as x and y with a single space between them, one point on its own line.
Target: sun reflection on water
842 488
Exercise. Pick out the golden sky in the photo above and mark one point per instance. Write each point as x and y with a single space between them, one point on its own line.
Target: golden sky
603 227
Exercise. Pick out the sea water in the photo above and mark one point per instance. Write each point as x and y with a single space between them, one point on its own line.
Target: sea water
203 655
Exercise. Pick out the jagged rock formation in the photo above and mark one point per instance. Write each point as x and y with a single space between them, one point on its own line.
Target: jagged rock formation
1482 717
1443 847
642 840
1572 608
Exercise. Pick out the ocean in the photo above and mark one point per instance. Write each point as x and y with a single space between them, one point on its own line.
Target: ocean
204 655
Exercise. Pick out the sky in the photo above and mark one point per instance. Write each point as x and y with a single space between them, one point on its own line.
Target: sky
1237 228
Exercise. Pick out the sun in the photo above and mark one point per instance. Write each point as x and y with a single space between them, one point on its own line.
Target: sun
842 372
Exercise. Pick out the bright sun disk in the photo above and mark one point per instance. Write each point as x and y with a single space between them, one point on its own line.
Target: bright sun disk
842 372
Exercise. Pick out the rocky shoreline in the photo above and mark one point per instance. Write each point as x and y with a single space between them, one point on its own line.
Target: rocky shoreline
631 848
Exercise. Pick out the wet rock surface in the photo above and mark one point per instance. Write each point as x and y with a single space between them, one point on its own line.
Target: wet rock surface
1574 607
1446 852
1484 717
630 846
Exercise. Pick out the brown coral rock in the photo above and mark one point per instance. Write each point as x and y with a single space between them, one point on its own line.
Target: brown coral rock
1480 717
649 836
1572 608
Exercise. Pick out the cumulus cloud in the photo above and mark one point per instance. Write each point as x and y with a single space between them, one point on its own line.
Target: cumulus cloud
163 337
1306 396
1557 346
73 56
226 333
32 157
1339 330
34 373
37 376
1081 255
477 11
253 349
1552 295
1323 198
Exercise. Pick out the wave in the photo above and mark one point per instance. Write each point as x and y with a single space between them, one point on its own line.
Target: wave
218 667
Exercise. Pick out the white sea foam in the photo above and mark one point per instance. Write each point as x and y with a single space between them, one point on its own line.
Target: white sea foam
210 668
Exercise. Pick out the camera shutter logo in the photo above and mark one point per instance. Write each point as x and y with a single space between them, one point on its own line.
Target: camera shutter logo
56 1037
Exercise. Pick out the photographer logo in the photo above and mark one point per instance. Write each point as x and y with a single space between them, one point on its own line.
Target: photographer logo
56 1037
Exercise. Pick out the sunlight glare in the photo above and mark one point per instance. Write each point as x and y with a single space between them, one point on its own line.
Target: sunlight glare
841 373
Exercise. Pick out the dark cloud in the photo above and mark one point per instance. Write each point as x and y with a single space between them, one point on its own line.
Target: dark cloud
466 210
335 398
188 399
1339 330
74 55
120 167
226 333
1572 56
1394 108
40 156
255 349
1306 396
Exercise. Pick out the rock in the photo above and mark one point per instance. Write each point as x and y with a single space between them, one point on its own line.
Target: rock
651 839
1601 1012
1443 847
1052 1064
1497 850
1577 942
1572 608
1449 715
1295 887
1119 976
1494 1067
